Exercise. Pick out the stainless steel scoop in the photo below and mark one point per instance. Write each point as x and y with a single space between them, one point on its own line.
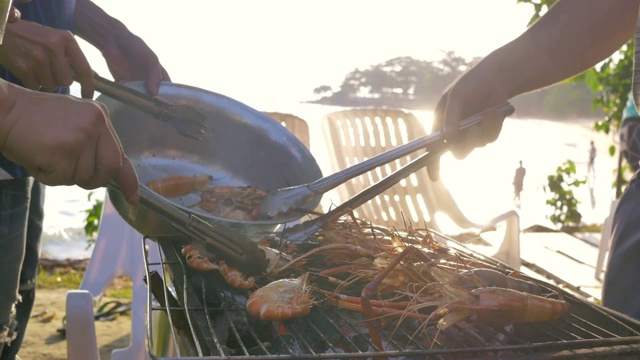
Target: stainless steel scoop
282 200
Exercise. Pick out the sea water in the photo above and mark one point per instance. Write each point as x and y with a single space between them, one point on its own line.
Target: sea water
481 184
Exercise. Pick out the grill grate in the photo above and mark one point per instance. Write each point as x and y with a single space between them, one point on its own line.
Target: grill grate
196 315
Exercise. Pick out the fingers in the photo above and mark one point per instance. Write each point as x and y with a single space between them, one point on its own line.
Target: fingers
14 15
109 163
155 78
433 168
481 134
87 152
127 181
81 68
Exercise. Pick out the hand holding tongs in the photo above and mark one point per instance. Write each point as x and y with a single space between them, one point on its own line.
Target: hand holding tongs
301 232
187 120
281 200
231 245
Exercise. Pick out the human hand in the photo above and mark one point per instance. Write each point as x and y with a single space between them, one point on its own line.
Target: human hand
129 58
14 13
45 58
472 94
62 140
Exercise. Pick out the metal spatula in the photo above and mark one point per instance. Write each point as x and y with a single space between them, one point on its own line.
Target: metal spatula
282 200
187 120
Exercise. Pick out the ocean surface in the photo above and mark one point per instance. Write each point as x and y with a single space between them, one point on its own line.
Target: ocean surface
481 184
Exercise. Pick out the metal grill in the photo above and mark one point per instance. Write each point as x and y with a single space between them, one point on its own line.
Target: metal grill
196 315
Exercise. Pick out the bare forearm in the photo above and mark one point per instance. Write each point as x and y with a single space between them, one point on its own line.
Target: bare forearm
574 36
96 26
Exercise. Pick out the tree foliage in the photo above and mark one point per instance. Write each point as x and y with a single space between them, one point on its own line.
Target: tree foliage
610 80
418 84
402 81
560 185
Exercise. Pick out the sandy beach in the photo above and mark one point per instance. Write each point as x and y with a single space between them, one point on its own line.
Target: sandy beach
44 342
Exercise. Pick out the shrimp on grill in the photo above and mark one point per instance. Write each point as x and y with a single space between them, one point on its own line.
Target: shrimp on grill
479 277
499 306
281 300
173 186
230 274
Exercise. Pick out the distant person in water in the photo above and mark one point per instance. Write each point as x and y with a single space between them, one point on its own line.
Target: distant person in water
592 158
518 182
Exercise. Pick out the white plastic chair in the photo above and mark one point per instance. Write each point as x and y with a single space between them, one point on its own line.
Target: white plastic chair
359 134
293 123
118 252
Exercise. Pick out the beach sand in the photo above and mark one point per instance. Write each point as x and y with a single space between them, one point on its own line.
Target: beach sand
43 341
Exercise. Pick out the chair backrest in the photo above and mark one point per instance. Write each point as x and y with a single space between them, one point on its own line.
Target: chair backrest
358 134
295 124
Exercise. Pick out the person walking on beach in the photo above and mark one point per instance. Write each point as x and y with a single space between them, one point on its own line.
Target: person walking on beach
570 38
592 159
518 182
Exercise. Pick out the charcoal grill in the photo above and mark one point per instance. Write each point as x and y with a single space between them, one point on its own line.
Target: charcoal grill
195 315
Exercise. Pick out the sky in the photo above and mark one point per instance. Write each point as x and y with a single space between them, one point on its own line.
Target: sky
283 49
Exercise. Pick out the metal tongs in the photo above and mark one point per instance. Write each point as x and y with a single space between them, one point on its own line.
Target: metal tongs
234 247
188 121
282 200
301 232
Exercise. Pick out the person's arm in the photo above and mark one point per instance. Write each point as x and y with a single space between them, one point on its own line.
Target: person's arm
127 55
571 37
74 144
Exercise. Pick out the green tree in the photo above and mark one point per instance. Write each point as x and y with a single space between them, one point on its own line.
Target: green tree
92 221
560 185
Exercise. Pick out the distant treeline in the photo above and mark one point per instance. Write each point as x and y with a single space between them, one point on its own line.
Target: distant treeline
408 83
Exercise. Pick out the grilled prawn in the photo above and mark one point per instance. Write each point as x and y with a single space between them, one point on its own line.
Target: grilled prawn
173 186
230 274
499 306
281 300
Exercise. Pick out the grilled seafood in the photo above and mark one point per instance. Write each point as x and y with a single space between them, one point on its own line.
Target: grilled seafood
196 261
226 201
281 300
479 277
499 306
385 275
174 186
232 202
231 275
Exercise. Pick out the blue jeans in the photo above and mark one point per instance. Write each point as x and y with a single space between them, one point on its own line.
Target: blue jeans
21 216
621 285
